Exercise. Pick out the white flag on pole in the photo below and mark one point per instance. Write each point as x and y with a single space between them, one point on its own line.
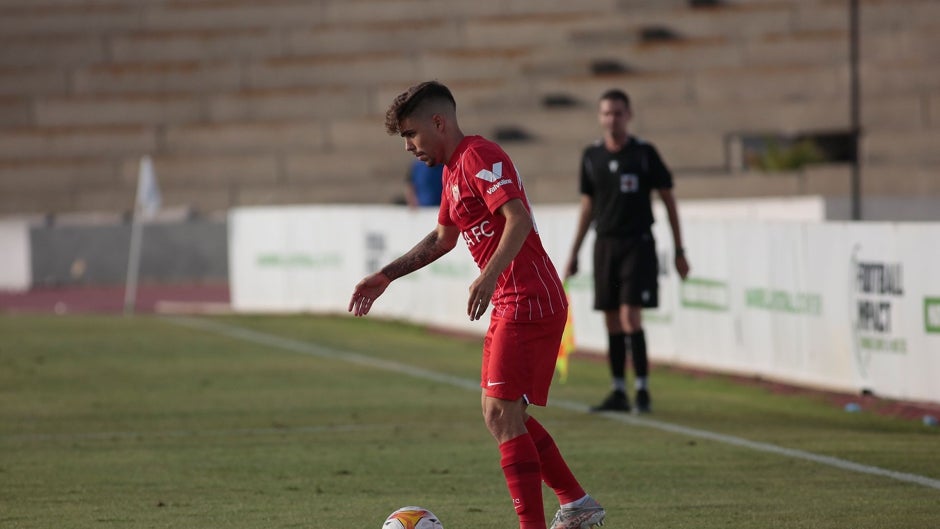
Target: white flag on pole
148 193
148 203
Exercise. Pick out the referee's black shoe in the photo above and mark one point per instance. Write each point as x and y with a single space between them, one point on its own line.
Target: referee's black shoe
616 401
643 402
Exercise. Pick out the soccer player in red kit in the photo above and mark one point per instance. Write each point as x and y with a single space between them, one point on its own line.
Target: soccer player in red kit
484 201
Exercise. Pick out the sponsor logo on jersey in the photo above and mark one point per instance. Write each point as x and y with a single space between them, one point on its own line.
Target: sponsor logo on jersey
477 233
494 177
456 192
613 165
491 176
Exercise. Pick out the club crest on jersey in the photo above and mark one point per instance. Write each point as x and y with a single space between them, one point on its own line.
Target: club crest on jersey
629 183
613 165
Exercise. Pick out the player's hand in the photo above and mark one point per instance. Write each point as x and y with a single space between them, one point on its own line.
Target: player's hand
481 291
366 292
682 266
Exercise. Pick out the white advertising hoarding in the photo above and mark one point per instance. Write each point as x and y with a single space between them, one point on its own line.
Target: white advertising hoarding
845 306
15 267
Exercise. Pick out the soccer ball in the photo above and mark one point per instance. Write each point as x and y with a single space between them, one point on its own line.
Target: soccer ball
412 518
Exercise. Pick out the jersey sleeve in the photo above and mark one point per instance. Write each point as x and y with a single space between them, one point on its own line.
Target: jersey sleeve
443 213
661 176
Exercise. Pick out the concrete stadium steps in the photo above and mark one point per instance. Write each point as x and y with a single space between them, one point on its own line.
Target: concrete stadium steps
904 115
246 137
32 81
190 77
644 89
900 179
770 84
880 146
100 109
673 56
900 77
810 48
408 10
827 180
732 116
64 17
104 177
199 44
732 20
220 76
371 37
380 68
64 174
275 104
915 45
15 111
69 19
177 108
50 143
52 51
54 185
282 101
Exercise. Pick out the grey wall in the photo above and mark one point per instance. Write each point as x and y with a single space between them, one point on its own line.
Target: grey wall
193 251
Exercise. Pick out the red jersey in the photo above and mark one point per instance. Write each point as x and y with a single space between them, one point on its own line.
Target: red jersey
478 179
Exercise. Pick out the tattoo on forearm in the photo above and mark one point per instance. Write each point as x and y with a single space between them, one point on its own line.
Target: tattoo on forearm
424 253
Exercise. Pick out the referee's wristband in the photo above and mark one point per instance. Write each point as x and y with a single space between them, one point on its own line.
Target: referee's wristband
680 252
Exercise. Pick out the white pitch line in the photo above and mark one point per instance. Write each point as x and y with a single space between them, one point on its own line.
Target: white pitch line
306 348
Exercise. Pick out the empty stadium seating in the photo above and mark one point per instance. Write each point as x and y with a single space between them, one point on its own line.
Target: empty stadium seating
242 102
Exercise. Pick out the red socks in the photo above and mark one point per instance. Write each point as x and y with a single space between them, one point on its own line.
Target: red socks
520 462
555 471
528 460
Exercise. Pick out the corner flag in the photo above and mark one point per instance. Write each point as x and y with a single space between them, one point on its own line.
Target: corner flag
145 207
567 342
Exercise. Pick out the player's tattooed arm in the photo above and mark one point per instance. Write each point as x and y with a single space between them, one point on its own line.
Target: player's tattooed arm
428 250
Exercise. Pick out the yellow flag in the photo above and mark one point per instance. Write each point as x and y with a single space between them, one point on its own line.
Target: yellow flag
567 342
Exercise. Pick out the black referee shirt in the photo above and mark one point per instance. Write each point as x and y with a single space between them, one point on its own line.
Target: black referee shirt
620 183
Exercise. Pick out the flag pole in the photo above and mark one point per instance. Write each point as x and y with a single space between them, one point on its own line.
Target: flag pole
133 265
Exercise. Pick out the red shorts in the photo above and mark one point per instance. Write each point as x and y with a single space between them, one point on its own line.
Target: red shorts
519 358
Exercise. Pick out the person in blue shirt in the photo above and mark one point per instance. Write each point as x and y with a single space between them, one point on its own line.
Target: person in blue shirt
423 185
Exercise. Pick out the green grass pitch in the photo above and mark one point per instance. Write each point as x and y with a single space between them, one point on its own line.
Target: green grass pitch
333 422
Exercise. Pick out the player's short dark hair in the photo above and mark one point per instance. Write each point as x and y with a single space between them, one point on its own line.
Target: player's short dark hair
616 94
414 98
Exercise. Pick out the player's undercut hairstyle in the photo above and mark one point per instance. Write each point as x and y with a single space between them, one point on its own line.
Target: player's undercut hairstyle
616 94
414 99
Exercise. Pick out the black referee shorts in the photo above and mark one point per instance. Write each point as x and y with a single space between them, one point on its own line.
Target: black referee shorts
625 272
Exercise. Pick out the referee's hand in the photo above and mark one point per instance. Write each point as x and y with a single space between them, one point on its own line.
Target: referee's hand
682 266
572 267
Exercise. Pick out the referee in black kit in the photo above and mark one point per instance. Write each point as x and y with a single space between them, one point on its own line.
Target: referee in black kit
618 174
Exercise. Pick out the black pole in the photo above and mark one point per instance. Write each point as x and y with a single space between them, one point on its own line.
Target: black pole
855 110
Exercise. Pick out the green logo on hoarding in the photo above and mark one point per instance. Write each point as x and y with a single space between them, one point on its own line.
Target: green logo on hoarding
705 294
932 315
657 317
299 260
782 301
